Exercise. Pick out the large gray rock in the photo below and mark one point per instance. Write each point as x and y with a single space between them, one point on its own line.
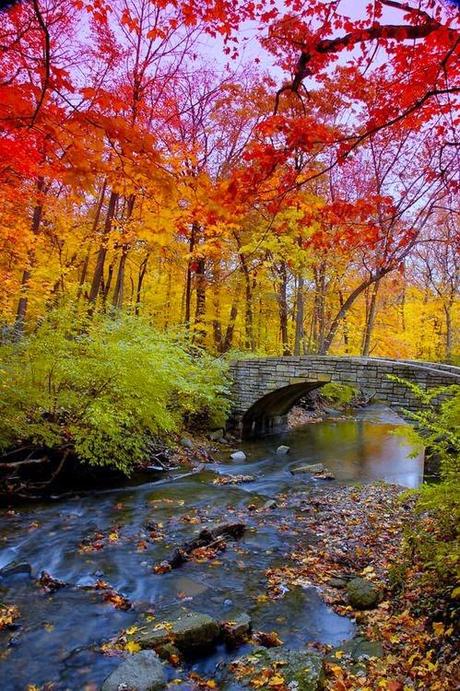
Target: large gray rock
362 594
238 456
186 443
313 469
190 630
283 450
194 630
237 629
300 669
141 672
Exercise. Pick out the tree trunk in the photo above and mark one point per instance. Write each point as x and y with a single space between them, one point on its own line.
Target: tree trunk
346 338
228 341
188 282
97 215
371 313
283 309
299 343
26 274
117 300
200 310
449 339
249 308
140 280
346 306
216 324
100 262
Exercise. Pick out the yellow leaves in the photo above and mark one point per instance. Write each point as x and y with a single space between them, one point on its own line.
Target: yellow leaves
201 683
439 628
263 598
275 681
114 536
368 571
132 647
8 613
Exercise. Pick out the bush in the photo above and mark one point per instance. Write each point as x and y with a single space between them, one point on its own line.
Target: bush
338 394
104 387
434 539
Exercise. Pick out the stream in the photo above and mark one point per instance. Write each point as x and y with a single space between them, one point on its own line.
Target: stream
59 637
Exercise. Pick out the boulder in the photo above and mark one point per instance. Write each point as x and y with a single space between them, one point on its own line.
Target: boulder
190 630
216 435
300 670
194 630
141 672
283 450
313 469
270 504
362 594
236 630
186 443
238 456
16 567
353 653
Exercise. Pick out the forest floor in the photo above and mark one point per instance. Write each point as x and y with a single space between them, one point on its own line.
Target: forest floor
360 532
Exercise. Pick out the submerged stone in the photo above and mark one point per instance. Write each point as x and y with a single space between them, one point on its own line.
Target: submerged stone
188 631
313 469
237 629
283 450
362 594
194 630
16 567
301 670
238 456
141 672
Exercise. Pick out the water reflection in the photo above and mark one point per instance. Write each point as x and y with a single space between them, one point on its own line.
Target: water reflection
362 449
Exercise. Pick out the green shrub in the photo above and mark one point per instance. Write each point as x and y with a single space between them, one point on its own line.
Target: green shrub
435 538
339 394
105 387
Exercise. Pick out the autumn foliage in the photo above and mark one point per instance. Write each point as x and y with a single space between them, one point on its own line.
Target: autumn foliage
292 192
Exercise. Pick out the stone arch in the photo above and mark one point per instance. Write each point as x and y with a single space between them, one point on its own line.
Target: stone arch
264 389
269 412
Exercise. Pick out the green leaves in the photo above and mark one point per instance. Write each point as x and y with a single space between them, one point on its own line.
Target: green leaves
105 386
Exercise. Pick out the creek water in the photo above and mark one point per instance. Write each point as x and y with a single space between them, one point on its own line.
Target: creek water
59 637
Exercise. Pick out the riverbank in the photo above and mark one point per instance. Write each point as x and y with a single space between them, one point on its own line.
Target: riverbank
341 533
101 552
361 531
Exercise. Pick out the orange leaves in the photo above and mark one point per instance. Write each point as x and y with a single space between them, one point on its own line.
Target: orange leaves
8 614
268 640
117 600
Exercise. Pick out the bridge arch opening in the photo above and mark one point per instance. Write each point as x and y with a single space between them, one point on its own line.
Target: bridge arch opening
269 412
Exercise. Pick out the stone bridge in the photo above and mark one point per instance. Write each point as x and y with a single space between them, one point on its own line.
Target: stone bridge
265 389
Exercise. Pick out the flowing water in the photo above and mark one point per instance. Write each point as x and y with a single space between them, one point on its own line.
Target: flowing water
60 633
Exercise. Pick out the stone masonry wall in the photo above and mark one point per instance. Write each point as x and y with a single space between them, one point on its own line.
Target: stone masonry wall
254 379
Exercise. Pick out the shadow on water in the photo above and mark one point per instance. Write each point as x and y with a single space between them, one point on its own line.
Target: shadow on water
59 635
